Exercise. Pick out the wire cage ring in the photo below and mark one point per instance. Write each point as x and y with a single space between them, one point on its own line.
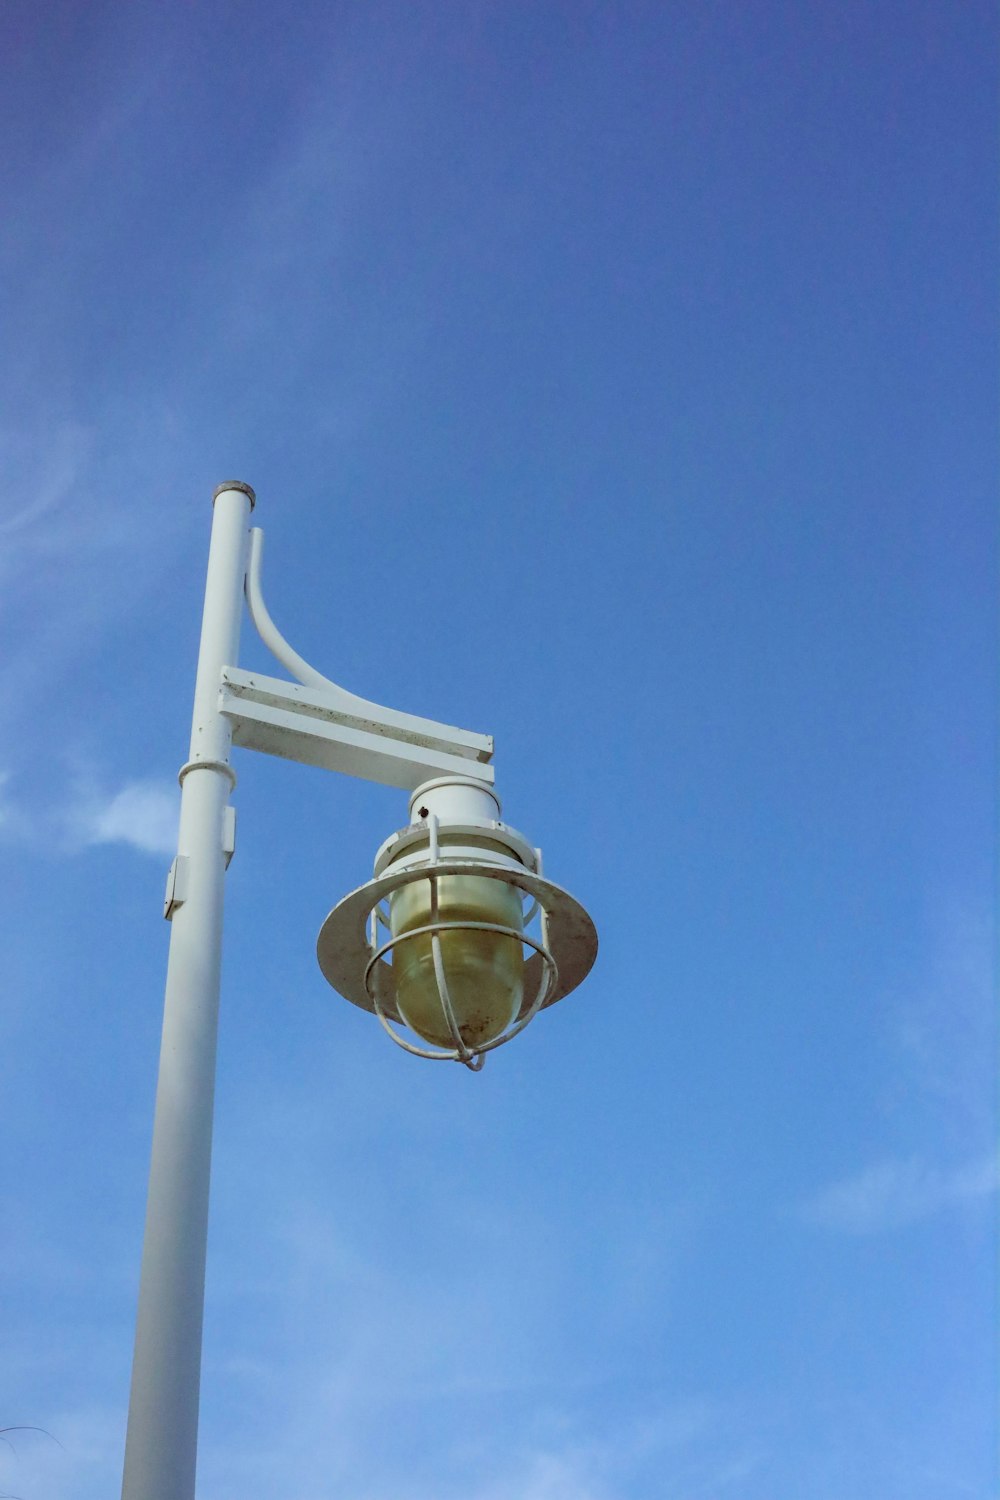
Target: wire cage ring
473 1057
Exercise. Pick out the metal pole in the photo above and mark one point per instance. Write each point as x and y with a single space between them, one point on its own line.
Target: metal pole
162 1436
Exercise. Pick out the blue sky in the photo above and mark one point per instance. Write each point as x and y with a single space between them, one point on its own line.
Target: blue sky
618 380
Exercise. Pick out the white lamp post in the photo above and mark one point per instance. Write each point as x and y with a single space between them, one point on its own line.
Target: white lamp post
460 897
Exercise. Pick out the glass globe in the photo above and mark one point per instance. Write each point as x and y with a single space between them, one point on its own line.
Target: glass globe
484 970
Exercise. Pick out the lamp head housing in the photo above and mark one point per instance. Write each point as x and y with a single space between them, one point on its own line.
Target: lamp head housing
459 936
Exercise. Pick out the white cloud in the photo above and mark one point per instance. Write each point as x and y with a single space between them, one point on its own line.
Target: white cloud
947 1026
939 1090
8 812
39 486
143 814
86 543
14 822
894 1192
548 1476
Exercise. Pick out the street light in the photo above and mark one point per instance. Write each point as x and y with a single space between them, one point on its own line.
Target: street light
458 937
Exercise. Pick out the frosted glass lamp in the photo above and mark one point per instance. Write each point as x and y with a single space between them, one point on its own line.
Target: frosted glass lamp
484 970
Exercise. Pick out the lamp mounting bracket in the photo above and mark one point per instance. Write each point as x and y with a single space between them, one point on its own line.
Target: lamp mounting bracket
319 723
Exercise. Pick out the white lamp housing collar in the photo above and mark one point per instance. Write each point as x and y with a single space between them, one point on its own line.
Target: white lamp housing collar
467 814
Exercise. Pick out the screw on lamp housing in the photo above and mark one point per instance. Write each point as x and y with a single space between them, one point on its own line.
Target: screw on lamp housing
455 892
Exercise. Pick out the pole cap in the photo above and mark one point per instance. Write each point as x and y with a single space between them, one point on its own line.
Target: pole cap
234 484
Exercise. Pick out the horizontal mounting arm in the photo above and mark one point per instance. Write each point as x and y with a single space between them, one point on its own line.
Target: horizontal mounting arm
312 725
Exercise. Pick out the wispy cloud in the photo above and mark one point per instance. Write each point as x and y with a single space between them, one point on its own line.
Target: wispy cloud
567 1475
143 814
8 810
947 1026
495 1466
937 1097
892 1193
30 498
87 541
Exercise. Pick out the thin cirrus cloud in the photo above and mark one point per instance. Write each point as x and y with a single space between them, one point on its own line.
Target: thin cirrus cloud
548 1476
143 815
8 810
894 1193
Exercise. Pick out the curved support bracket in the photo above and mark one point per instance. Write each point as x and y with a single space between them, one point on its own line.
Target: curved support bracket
276 643
323 724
